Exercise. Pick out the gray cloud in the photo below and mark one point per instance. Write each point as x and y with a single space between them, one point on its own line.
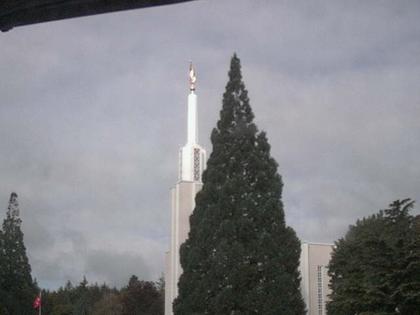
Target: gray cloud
116 268
93 112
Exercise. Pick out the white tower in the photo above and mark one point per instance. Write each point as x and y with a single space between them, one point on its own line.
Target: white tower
314 260
192 160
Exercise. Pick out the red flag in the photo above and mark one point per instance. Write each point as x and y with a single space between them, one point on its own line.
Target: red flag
37 302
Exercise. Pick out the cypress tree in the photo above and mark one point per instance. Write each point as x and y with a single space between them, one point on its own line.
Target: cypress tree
240 257
17 289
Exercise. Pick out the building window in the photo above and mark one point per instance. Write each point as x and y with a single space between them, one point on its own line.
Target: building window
320 292
180 165
196 164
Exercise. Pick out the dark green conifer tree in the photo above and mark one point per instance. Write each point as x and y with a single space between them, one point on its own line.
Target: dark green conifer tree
240 257
17 289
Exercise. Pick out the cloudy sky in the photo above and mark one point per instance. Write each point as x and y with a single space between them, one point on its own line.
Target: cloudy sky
93 112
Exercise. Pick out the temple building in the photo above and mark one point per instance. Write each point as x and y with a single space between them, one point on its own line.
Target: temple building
314 260
192 159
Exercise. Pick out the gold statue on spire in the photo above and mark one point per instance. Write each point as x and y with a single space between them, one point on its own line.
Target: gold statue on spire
193 78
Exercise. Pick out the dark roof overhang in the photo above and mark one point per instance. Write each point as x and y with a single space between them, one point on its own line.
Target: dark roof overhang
24 12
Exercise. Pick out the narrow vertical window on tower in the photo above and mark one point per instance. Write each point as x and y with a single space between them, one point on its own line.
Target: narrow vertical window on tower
196 164
180 165
320 291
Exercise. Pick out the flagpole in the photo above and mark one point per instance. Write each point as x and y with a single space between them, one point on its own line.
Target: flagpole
40 304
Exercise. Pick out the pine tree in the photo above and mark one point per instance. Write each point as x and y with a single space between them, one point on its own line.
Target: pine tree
17 289
82 305
240 257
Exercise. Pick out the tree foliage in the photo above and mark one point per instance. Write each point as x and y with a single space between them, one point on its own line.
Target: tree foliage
375 268
75 300
141 298
240 257
109 304
137 298
17 289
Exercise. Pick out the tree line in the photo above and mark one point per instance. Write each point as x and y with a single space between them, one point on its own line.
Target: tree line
138 297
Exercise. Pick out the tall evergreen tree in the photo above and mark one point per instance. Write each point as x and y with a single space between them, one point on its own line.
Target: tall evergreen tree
240 257
17 289
375 268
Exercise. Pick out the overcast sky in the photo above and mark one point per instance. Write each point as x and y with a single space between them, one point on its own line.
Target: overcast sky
93 112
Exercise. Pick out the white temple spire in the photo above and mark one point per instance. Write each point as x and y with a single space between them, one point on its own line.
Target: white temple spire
192 160
192 109
192 156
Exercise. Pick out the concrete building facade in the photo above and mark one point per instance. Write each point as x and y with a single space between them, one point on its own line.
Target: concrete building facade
314 260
